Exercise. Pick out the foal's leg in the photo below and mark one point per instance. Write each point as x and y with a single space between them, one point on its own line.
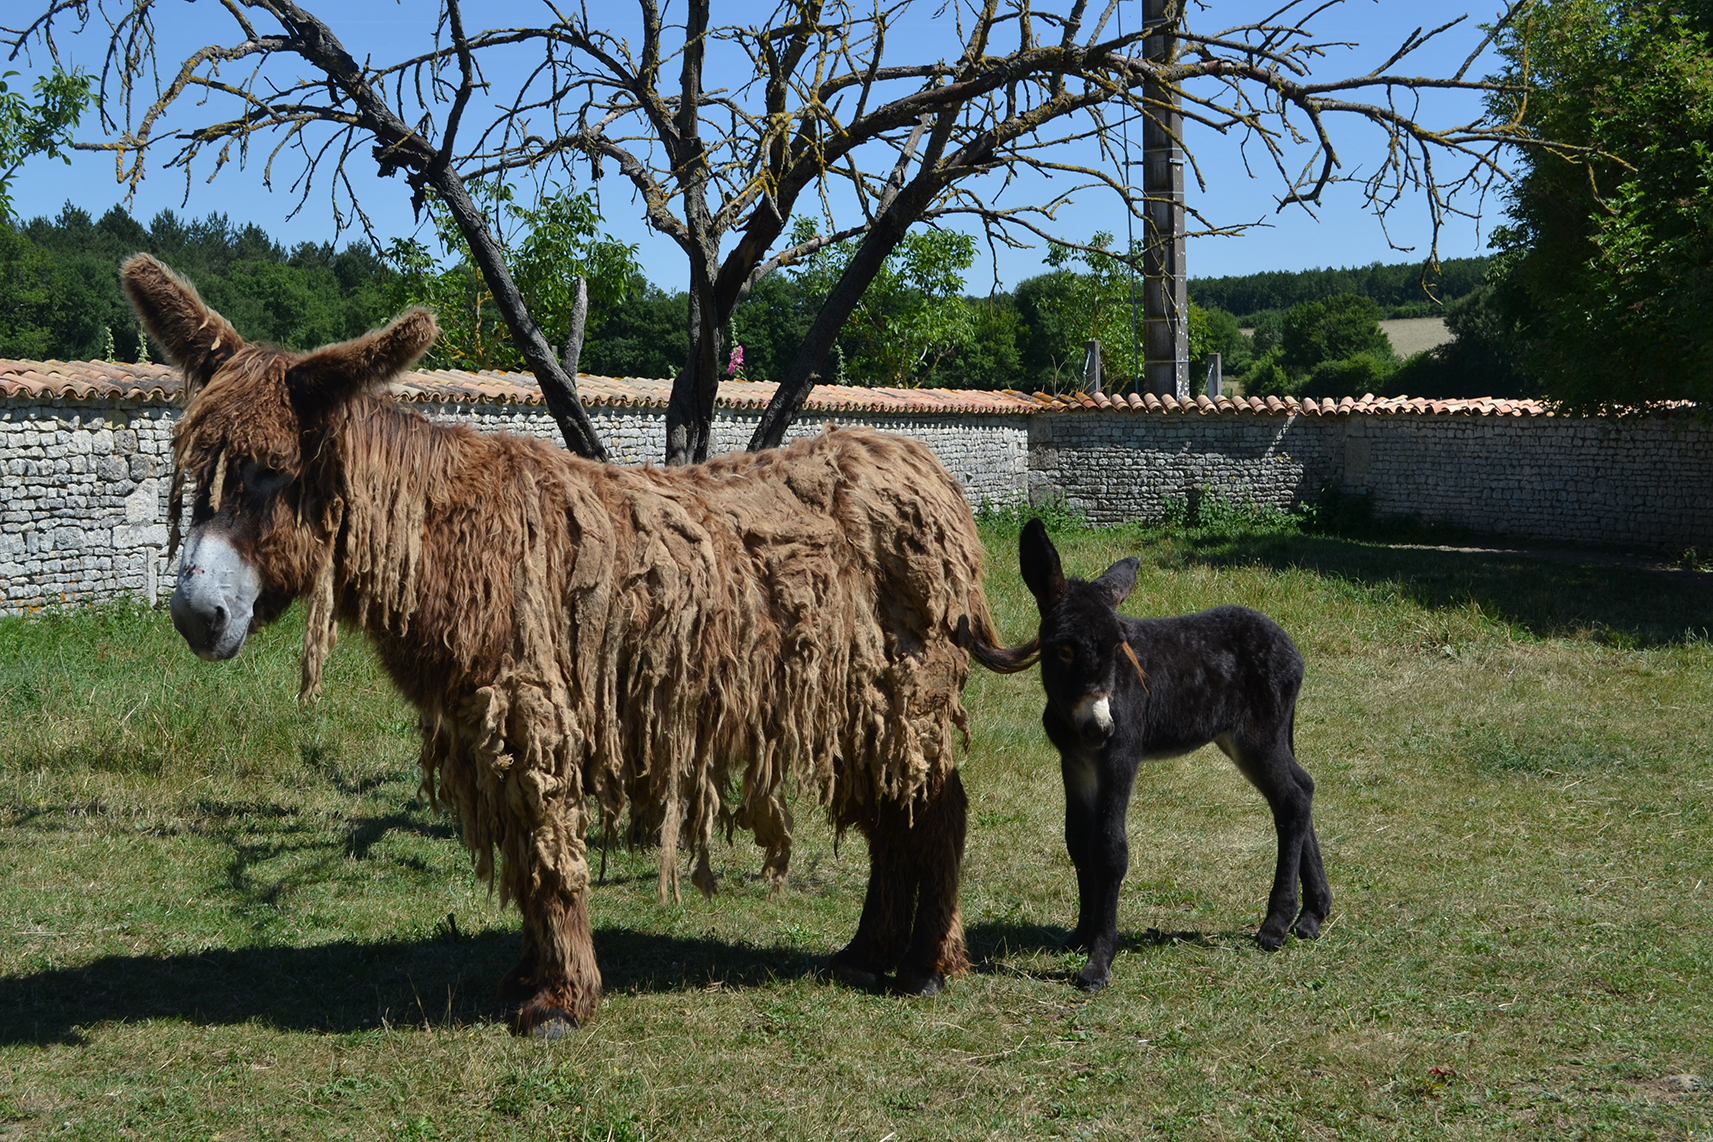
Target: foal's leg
936 845
557 984
885 925
1270 767
1317 893
1082 832
1097 796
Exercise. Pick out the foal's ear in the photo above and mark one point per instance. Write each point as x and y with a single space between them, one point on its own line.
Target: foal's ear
198 339
1119 579
336 373
1039 561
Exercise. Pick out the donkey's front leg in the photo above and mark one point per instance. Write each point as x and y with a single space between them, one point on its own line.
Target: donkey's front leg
557 984
884 929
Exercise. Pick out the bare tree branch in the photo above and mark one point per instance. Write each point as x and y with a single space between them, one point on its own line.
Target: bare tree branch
833 112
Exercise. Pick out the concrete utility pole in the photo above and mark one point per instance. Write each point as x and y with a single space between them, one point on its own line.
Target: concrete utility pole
1165 296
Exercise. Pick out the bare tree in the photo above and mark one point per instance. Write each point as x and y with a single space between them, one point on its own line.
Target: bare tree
852 113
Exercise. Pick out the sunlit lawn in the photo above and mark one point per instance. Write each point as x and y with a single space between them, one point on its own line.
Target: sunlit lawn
227 917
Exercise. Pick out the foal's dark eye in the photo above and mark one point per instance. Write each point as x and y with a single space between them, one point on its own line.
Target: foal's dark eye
261 480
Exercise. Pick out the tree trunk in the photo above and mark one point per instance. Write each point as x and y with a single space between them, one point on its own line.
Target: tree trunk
887 230
690 411
800 377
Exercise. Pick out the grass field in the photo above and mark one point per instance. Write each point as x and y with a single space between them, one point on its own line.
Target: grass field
225 917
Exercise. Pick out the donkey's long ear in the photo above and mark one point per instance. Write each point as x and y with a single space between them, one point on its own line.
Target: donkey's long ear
1119 579
336 373
1039 561
198 339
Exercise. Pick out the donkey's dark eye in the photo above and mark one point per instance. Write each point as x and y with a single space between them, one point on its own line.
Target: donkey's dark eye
1067 654
261 480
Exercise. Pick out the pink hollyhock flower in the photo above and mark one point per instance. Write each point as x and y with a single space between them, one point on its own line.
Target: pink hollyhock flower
734 367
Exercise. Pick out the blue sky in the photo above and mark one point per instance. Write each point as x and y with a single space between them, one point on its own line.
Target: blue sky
1340 233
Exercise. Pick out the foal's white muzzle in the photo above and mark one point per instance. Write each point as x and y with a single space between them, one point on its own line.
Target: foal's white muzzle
1092 716
216 596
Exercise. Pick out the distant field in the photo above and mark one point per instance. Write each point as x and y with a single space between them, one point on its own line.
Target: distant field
222 916
1411 335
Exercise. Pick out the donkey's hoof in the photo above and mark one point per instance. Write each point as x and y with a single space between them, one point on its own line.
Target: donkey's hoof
914 981
1307 927
555 1027
537 1020
856 976
1270 940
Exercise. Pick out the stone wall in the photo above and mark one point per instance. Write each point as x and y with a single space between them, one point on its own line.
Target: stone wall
85 491
84 482
1644 482
1118 466
988 454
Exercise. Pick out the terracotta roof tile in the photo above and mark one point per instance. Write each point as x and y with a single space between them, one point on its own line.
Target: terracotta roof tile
106 380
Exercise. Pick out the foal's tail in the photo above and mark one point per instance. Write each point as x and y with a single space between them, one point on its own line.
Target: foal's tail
973 637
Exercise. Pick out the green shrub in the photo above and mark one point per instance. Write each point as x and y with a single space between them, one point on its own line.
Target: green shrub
1361 373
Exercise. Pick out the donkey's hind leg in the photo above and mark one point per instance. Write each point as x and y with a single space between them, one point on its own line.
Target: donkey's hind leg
557 984
1289 790
936 952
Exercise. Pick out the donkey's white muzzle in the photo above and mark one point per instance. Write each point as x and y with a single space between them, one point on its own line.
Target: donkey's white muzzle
216 596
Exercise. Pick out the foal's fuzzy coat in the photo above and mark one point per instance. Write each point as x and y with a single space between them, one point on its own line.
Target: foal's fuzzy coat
687 643
1121 691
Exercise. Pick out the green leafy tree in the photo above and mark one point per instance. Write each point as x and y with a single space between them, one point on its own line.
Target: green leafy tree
1401 288
40 128
29 301
1331 330
993 357
60 297
546 247
644 334
1333 347
1483 357
1090 293
1213 330
912 315
1607 264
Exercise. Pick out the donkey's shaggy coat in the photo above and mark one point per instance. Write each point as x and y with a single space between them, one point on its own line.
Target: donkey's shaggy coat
580 638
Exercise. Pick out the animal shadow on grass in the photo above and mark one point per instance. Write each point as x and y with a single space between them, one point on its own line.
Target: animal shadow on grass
991 944
1550 596
445 980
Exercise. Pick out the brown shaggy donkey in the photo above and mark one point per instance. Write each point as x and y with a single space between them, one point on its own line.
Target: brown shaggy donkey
688 643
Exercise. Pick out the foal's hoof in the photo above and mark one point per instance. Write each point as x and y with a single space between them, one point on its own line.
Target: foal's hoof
914 981
1093 979
1307 927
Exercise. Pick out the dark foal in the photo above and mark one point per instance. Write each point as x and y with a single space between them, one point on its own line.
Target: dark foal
1122 690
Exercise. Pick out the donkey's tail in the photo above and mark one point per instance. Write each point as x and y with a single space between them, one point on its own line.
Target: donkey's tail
973 637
